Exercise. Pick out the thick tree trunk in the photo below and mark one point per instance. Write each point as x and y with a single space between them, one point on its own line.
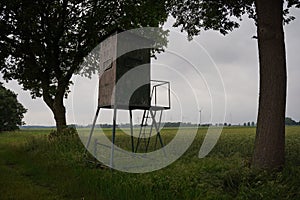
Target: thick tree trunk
59 112
270 133
58 109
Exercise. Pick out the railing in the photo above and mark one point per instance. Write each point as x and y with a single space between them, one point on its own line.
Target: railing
155 86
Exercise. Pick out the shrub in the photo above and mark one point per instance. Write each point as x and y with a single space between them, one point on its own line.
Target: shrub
11 111
67 132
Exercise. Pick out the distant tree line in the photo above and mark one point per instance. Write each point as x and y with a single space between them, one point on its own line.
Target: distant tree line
127 125
289 121
249 124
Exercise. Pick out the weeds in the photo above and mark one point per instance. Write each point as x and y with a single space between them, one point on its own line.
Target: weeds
57 164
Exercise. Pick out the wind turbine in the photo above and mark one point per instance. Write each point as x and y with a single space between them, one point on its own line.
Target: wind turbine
200 111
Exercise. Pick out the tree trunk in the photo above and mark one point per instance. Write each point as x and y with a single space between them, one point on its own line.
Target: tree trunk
270 133
59 112
58 109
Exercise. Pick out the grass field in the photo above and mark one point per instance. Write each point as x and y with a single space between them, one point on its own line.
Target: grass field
34 167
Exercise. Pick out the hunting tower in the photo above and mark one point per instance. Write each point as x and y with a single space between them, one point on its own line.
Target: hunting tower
120 53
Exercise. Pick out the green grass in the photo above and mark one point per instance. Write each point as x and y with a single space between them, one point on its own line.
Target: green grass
33 167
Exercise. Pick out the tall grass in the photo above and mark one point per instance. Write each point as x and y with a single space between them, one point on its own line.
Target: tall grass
58 168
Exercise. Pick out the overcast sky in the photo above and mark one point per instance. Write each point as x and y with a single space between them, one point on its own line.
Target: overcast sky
201 72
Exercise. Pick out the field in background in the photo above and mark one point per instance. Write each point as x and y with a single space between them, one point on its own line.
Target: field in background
34 167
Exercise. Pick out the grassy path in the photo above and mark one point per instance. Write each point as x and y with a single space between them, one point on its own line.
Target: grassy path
15 183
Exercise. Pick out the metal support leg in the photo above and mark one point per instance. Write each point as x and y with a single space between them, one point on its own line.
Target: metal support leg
113 137
141 129
150 134
159 123
131 131
157 126
92 130
95 148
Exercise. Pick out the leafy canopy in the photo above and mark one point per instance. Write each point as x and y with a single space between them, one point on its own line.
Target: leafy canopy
11 111
43 42
220 15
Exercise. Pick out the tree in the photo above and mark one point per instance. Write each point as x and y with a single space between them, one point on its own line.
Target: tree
43 42
290 121
11 111
224 16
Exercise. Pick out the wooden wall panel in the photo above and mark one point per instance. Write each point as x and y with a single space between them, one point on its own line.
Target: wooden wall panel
108 52
113 69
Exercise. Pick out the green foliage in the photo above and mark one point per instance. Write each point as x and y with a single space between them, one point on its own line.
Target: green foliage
11 111
290 121
43 42
67 132
222 15
56 169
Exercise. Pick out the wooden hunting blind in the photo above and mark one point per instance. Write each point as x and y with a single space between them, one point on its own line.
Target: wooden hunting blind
120 53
